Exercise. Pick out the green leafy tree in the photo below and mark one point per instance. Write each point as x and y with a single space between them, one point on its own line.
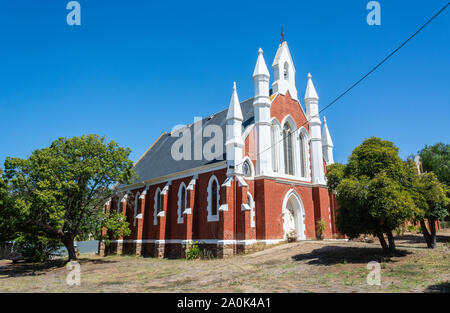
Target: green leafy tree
9 217
116 226
61 189
372 192
436 158
432 200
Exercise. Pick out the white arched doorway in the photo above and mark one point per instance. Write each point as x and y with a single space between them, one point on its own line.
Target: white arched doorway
293 215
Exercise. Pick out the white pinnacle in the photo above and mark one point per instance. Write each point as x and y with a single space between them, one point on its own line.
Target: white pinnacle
326 138
310 92
260 67
234 110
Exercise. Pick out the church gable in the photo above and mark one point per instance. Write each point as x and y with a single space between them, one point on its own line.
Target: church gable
285 105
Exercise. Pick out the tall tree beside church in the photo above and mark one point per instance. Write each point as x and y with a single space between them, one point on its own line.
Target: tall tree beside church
436 159
372 191
60 189
433 203
6 212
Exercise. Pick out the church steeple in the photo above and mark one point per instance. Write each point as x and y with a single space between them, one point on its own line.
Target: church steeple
234 142
327 143
284 71
310 92
312 114
261 108
234 109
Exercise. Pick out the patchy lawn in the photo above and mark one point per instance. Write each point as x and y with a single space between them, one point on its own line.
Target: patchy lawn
308 266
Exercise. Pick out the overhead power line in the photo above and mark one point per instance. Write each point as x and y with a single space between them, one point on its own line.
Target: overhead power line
363 77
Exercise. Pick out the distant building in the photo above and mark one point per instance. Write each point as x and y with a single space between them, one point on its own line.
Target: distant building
269 185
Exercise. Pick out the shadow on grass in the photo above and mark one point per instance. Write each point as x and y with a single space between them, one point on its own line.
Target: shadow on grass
418 238
30 269
439 288
36 269
330 255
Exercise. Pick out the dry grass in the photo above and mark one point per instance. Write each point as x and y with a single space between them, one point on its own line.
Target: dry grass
310 266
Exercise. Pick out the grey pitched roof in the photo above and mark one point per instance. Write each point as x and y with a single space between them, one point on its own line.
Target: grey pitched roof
158 162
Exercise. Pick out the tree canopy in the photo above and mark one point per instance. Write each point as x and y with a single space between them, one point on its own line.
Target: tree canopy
436 159
431 199
372 191
61 188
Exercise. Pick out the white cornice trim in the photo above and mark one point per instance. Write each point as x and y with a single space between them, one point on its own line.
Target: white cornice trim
177 175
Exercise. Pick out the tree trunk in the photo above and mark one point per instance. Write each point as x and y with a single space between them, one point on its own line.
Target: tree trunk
391 240
426 234
383 242
432 223
68 243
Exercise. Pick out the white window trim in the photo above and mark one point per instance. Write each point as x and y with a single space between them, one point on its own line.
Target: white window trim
252 168
180 211
136 203
288 119
211 217
155 214
119 205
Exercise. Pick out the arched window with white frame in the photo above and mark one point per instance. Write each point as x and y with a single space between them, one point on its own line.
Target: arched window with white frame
288 149
286 71
181 202
157 206
213 199
119 205
137 207
304 153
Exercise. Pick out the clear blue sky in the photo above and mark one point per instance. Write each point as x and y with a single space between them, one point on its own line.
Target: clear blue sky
136 68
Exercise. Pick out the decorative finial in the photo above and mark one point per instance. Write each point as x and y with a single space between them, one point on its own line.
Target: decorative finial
309 76
282 35
324 120
234 85
260 51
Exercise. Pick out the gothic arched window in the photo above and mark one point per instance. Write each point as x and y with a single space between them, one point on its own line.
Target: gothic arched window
288 151
214 196
181 203
213 199
138 202
158 201
119 206
286 71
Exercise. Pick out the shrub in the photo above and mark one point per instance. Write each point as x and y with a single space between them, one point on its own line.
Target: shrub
411 228
38 249
193 251
320 228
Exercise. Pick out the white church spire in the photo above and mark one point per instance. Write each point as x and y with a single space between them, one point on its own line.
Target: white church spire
234 143
312 114
261 67
327 143
234 109
261 107
310 92
284 72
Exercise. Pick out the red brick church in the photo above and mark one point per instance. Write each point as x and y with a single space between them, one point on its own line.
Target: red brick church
250 175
